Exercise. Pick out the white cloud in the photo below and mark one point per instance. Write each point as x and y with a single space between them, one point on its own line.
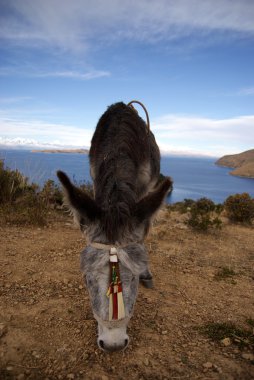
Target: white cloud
13 99
34 73
203 135
20 133
74 74
74 24
174 134
248 91
204 127
24 143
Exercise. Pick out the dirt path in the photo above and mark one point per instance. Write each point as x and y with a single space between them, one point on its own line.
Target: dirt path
47 330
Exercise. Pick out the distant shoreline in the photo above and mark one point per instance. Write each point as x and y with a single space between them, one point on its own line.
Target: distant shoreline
76 151
241 163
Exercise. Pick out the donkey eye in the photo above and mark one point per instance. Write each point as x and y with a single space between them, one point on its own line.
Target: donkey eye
89 281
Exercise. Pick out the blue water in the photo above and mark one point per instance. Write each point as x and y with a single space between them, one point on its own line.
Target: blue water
193 177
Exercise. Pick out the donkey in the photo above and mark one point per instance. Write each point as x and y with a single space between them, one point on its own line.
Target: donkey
125 168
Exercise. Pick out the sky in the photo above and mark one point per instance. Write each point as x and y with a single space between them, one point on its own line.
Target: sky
190 62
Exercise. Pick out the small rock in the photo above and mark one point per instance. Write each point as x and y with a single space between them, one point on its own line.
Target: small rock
9 368
208 365
104 377
248 356
21 376
70 376
3 329
217 369
164 332
226 342
194 303
146 361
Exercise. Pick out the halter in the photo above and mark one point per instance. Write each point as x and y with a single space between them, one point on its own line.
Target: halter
115 323
114 293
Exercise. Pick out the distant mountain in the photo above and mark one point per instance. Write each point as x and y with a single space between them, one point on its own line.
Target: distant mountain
243 163
80 151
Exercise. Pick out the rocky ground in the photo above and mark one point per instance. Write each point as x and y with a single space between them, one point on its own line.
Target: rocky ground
47 330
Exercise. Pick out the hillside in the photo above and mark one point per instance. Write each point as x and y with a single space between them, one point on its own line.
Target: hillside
47 329
243 163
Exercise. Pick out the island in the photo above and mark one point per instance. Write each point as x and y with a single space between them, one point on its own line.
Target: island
242 163
79 151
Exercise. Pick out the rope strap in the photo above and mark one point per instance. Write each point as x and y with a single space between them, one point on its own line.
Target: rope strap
144 108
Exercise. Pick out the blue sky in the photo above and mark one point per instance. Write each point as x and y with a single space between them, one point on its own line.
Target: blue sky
189 61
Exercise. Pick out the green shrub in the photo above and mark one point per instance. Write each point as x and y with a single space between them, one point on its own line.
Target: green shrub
87 187
219 208
217 331
204 214
181 207
25 203
240 208
29 209
225 273
12 184
51 194
20 202
205 205
188 203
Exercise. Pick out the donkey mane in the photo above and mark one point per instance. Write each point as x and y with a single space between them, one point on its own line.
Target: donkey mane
121 145
125 168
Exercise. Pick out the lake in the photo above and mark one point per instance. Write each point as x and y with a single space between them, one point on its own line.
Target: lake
193 177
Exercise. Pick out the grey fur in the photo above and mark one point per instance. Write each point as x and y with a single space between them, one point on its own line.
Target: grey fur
125 167
95 266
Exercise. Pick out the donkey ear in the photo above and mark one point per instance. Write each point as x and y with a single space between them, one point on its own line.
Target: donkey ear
148 205
81 204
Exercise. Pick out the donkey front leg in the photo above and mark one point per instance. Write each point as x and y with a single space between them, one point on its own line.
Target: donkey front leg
146 278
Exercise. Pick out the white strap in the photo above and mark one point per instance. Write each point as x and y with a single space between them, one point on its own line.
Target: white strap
100 245
114 323
113 255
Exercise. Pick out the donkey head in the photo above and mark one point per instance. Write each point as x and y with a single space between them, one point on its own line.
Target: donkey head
132 256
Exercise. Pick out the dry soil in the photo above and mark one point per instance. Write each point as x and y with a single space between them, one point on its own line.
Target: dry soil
47 330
